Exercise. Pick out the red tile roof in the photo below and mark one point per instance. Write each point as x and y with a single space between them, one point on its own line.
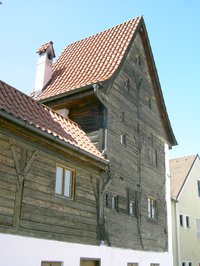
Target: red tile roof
23 108
179 170
94 59
44 47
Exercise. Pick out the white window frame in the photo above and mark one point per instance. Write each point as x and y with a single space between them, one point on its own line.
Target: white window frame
64 181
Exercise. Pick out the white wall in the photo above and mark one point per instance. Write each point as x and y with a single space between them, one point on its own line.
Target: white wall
23 251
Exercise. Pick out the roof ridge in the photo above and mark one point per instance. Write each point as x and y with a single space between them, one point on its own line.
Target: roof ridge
187 156
100 32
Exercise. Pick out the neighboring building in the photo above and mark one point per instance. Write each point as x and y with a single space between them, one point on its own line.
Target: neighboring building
185 194
108 84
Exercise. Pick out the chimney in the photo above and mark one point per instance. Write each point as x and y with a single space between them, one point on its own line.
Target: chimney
44 67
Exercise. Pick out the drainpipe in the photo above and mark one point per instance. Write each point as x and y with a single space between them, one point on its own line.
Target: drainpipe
105 150
177 230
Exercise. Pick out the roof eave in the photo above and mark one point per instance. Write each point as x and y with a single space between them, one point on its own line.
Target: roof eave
53 138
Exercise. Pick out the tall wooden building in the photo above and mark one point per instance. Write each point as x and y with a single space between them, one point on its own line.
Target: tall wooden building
116 211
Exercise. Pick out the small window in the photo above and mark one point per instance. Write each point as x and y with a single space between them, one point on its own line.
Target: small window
107 200
181 219
132 264
127 84
154 264
187 221
51 263
64 182
152 208
183 264
198 227
198 187
89 262
133 208
123 116
189 263
138 60
114 203
148 102
123 139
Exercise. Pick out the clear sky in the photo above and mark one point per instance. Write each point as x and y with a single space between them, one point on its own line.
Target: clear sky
174 31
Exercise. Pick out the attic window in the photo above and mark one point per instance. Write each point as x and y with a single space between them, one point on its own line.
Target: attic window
138 60
148 102
127 84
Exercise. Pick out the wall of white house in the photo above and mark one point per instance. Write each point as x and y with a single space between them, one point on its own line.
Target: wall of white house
23 251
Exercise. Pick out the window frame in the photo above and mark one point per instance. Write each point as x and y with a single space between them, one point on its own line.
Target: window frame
152 208
60 189
114 203
198 227
198 187
51 263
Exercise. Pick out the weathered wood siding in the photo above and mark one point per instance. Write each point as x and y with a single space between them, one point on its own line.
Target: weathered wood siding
139 162
41 212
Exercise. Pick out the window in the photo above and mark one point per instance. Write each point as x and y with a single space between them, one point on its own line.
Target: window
132 264
152 208
183 264
126 83
89 262
187 221
181 219
64 182
189 263
148 102
123 139
133 208
51 263
154 264
138 60
198 227
107 200
198 187
123 116
114 203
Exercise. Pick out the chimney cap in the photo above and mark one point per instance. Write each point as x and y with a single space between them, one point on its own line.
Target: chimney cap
45 47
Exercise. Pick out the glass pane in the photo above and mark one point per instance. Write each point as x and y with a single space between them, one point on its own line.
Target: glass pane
59 175
68 185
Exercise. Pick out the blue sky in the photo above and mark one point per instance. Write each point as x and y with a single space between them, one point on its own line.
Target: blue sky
174 31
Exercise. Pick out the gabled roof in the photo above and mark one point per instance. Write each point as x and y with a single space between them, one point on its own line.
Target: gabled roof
96 59
44 48
179 171
92 60
18 107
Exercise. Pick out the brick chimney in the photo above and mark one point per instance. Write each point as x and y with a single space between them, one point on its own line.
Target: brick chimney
44 67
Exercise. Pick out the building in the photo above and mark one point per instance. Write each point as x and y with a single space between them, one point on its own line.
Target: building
107 84
185 193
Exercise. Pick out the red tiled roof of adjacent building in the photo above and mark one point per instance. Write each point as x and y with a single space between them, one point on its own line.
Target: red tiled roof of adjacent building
179 170
92 60
23 108
44 47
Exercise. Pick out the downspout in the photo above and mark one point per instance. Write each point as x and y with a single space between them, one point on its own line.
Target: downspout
96 89
177 230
